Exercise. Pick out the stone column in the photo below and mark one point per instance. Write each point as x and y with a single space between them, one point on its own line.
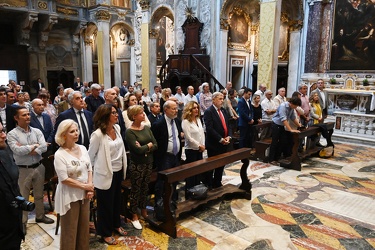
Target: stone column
103 47
87 74
145 45
221 53
294 67
270 11
152 57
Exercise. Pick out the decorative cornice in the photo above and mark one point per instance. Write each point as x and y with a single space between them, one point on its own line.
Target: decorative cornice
102 15
42 5
145 4
121 15
154 33
224 24
67 11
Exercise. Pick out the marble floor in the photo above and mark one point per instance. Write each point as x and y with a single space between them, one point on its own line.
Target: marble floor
328 205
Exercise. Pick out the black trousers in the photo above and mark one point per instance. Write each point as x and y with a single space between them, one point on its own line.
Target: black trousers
282 142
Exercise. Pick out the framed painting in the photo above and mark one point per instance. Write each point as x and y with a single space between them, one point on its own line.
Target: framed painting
353 40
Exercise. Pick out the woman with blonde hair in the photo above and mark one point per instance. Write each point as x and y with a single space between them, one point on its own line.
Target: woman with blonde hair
315 109
75 187
108 158
142 144
166 93
131 100
194 139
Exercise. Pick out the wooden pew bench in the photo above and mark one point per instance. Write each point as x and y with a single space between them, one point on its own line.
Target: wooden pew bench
180 173
294 161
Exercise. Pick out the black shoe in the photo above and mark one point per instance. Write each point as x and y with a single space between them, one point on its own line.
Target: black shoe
45 220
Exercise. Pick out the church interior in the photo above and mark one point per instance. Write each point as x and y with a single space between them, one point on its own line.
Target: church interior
329 204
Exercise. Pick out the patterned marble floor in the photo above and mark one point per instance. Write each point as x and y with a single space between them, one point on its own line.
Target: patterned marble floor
328 205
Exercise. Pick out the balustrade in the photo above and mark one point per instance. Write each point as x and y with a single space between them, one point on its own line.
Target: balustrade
355 125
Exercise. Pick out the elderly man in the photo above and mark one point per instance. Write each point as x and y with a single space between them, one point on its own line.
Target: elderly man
261 92
78 84
64 105
41 121
190 95
154 112
81 116
117 89
180 96
28 144
94 100
280 98
305 104
217 137
168 133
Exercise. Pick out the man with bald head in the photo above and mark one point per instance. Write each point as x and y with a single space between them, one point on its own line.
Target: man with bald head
41 120
110 97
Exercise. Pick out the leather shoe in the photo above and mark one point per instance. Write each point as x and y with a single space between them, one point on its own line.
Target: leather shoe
45 220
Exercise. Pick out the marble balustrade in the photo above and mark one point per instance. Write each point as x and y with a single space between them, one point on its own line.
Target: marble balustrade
355 125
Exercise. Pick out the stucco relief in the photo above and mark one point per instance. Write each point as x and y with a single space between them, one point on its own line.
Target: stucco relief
137 46
180 19
205 18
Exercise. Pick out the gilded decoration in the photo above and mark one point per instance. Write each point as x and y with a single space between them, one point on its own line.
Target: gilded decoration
145 4
102 15
224 24
67 11
239 29
131 42
71 2
154 33
42 5
121 15
13 3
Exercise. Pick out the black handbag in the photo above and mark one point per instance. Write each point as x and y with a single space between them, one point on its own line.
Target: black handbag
198 192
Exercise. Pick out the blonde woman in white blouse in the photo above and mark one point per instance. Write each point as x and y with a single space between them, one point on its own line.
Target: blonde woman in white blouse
194 139
75 187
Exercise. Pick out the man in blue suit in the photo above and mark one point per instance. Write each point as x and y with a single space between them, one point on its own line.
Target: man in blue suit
79 115
245 121
41 120
218 136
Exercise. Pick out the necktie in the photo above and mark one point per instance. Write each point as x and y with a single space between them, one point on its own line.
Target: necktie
223 123
85 134
175 150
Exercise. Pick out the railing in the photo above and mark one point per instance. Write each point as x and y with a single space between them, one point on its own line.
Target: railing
355 125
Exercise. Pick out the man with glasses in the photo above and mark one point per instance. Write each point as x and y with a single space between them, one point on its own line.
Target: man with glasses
28 144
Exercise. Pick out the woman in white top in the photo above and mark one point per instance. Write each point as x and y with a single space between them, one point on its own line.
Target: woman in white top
146 98
131 100
108 158
194 139
75 188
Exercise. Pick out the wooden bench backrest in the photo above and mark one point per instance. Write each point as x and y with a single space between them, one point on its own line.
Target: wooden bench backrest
190 169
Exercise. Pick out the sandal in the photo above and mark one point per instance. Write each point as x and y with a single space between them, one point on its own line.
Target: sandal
121 231
112 241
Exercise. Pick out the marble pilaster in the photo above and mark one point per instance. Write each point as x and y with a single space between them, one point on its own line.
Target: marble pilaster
145 45
103 48
87 73
294 66
270 11
221 56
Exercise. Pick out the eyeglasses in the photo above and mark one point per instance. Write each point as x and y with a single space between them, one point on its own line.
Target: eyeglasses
114 113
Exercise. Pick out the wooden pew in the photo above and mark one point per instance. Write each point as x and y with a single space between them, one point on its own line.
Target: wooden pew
294 161
180 173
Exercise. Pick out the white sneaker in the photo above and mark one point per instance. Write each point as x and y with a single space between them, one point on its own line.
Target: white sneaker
136 224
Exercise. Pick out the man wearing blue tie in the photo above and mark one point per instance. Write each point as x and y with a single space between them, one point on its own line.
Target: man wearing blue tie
246 120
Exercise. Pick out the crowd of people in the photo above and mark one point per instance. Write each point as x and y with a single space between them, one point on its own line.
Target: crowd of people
89 129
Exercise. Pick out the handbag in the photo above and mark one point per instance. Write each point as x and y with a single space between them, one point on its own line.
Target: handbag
198 192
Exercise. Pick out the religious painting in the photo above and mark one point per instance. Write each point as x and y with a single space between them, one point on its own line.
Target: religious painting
353 40
161 55
239 27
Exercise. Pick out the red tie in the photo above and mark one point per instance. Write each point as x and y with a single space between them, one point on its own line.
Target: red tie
223 123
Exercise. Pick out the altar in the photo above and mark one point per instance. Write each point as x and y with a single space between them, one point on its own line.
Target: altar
350 101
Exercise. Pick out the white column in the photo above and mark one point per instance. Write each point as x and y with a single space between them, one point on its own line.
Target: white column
294 66
87 62
221 57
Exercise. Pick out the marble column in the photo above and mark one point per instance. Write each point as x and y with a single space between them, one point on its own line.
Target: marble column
152 63
270 11
87 60
103 47
294 66
145 45
221 53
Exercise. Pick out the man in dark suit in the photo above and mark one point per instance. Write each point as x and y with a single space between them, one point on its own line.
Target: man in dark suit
38 85
124 88
11 228
168 133
217 137
245 121
78 84
155 112
6 112
79 115
94 100
40 120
